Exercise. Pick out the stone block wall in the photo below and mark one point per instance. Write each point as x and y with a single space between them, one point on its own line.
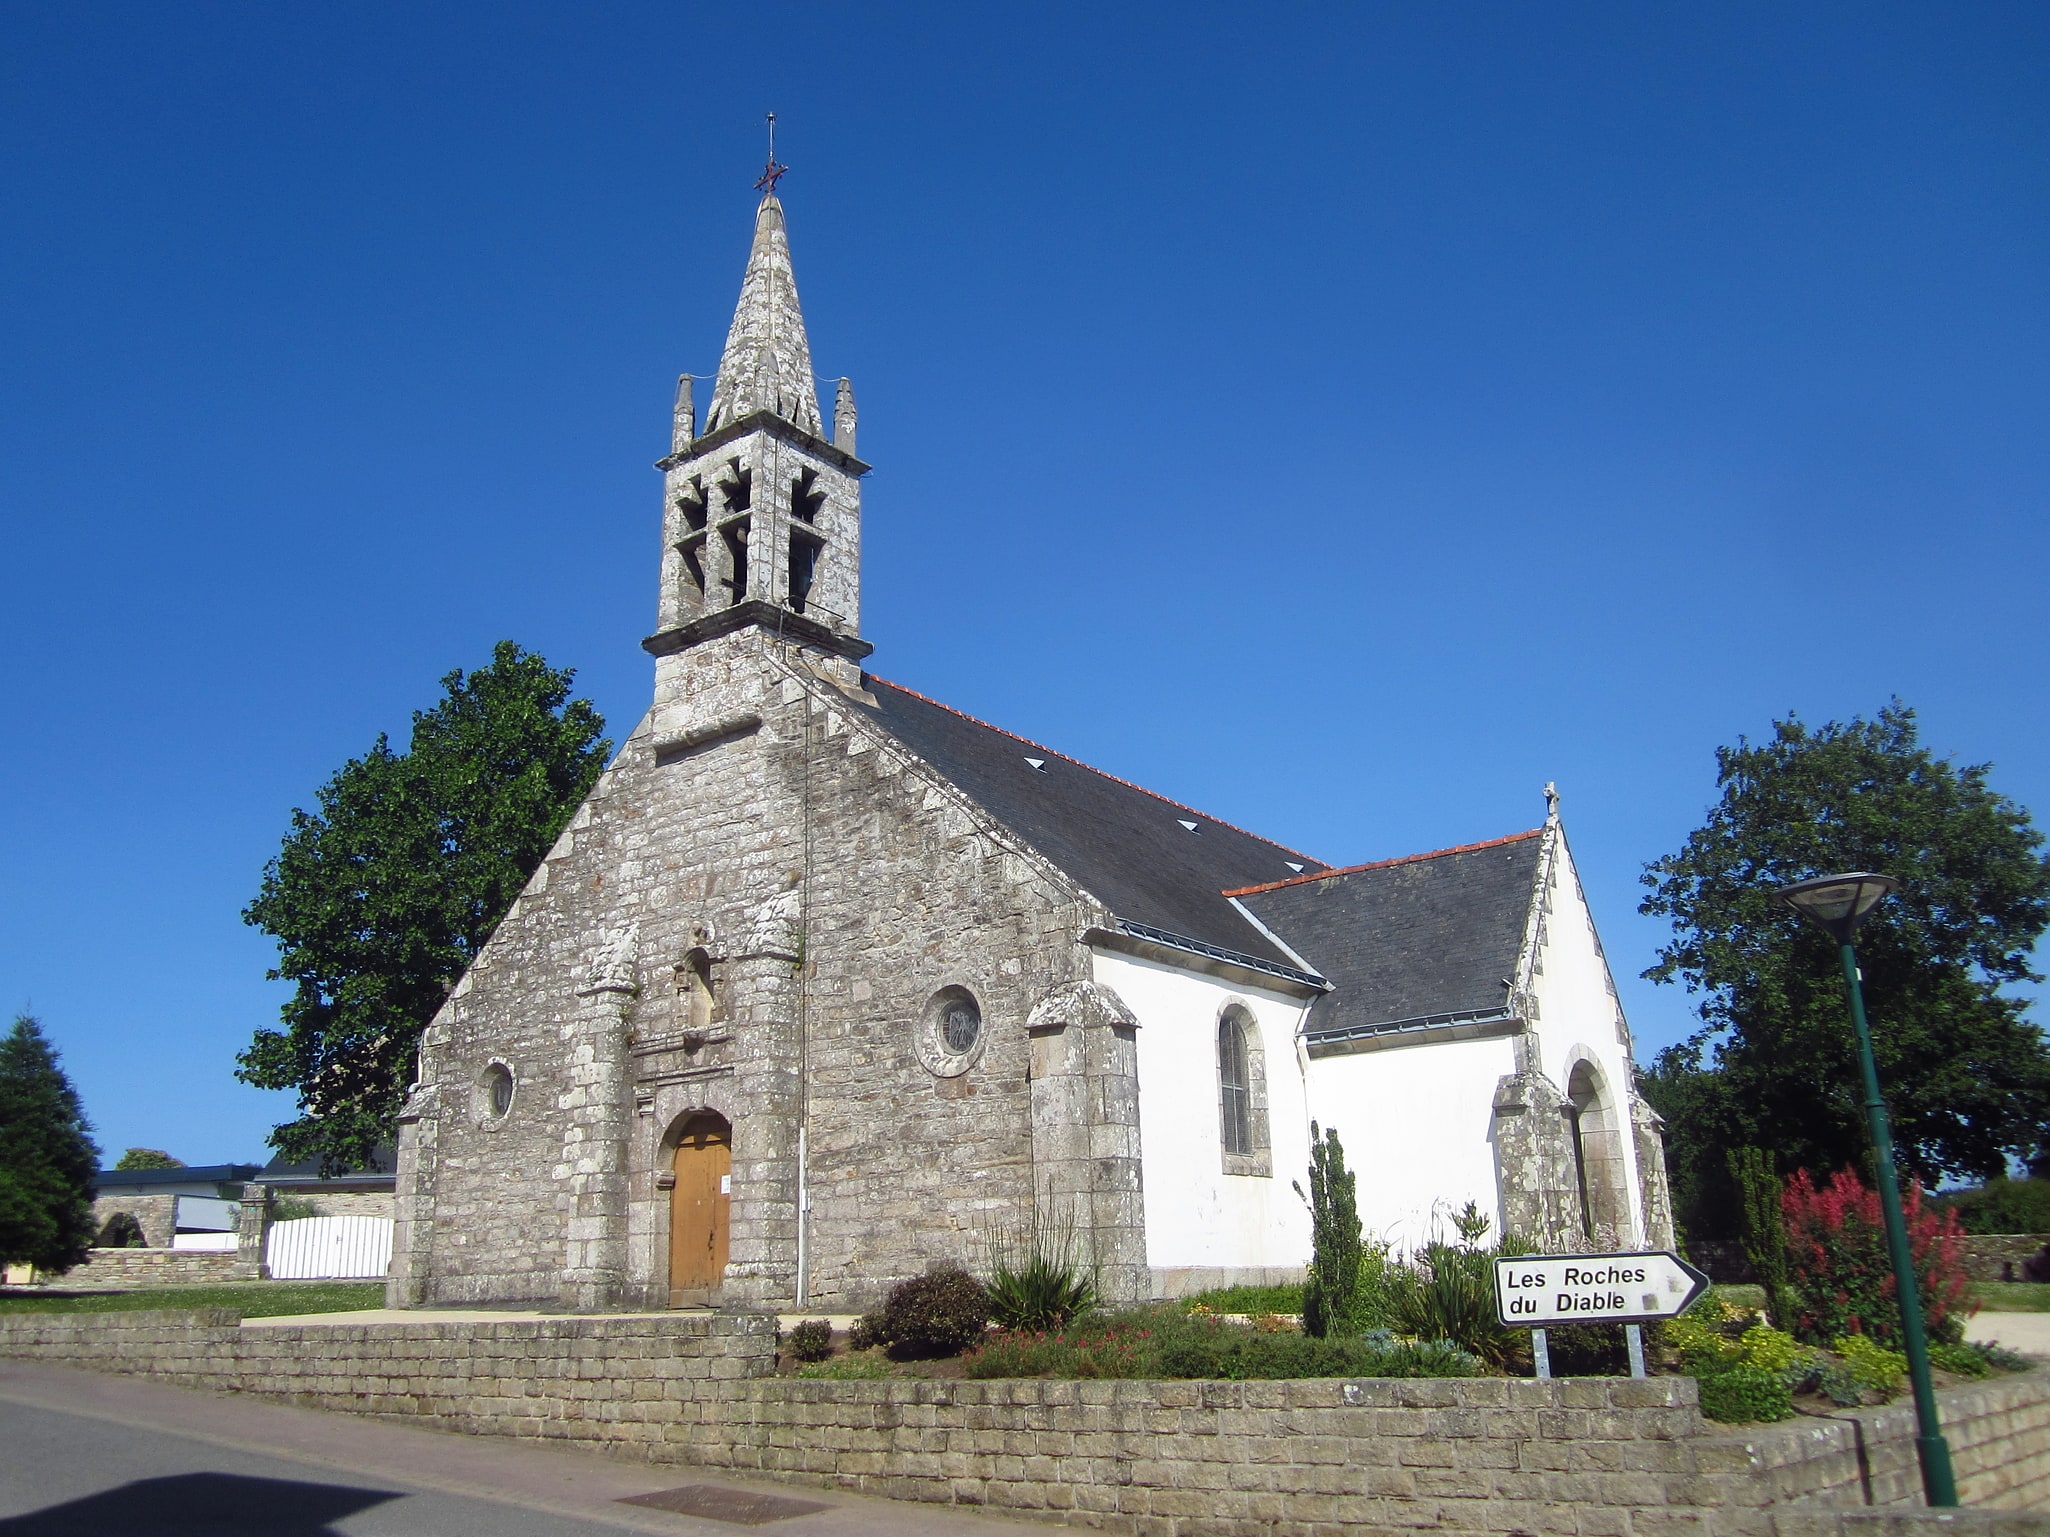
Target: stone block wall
112 1269
629 1383
341 1203
1594 1457
1999 1256
1912 1523
157 1214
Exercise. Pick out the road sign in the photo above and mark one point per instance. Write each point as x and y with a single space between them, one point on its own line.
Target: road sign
1535 1290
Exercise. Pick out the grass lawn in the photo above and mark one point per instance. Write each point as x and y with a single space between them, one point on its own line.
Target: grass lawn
2012 1296
252 1299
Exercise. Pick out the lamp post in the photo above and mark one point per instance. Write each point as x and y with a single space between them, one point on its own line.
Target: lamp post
1837 904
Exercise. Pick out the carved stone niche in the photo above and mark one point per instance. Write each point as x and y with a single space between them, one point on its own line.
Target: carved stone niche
697 1005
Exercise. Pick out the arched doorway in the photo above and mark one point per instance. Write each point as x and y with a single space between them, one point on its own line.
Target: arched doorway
697 1209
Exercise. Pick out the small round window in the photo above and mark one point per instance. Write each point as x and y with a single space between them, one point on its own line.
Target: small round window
950 1033
494 1095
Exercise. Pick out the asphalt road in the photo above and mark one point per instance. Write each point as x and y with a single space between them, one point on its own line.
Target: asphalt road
85 1455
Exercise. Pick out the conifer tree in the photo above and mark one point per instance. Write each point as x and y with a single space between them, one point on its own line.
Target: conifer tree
1331 1290
47 1157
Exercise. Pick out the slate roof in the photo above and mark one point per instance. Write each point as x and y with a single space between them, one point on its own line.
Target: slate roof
285 1172
1125 845
142 1181
1404 939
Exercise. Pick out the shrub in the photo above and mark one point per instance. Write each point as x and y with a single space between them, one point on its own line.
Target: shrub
1705 1336
1446 1291
1740 1395
1840 1384
1165 1342
1595 1350
1778 1352
812 1340
2001 1359
866 1332
1962 1360
1110 1353
2001 1206
1037 1277
1839 1279
1876 1370
122 1231
938 1314
292 1208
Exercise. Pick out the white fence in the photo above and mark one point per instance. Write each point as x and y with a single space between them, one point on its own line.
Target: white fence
329 1249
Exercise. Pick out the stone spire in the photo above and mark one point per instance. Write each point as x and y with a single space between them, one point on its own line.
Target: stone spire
767 362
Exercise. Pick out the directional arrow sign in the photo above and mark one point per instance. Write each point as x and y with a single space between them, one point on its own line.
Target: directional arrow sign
1535 1290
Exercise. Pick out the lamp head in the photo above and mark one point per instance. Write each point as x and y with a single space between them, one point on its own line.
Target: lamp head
1837 904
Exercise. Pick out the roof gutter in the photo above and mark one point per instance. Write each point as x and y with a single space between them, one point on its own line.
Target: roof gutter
1425 1029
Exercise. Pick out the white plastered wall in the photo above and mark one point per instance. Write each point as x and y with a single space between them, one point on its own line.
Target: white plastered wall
1578 1013
1197 1216
1414 1123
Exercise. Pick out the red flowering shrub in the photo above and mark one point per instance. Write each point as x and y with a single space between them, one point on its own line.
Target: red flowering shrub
1838 1274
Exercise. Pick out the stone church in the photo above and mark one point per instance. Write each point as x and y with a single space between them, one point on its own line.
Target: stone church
825 981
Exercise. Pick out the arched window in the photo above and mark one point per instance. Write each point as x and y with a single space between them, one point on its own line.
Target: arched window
1597 1155
1234 1084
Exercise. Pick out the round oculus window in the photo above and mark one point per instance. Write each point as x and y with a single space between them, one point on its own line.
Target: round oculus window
494 1094
950 1034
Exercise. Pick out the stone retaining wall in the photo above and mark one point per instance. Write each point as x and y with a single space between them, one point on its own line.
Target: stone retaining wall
108 1269
1592 1457
1999 1256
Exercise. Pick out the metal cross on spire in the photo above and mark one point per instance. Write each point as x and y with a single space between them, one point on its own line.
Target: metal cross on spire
772 172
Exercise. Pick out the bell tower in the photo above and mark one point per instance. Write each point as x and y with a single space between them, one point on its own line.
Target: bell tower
761 522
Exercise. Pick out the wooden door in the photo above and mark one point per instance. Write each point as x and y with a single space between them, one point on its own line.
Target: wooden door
697 1211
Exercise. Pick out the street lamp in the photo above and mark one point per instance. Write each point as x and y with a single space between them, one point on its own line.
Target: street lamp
1837 904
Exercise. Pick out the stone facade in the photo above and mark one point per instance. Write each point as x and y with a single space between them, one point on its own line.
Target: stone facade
812 1037
1587 1457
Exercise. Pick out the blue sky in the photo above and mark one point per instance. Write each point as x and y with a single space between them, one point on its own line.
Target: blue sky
1344 419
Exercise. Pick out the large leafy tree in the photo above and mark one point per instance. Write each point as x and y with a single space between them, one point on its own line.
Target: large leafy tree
47 1156
380 899
1966 1074
147 1158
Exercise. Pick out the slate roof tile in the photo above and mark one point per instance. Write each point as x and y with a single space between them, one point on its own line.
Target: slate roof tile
1129 847
1403 939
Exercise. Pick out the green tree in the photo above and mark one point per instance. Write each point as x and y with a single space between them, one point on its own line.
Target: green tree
47 1157
1966 1074
380 899
147 1158
1337 1246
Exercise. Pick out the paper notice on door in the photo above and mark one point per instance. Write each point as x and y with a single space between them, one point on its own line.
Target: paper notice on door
726 1184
